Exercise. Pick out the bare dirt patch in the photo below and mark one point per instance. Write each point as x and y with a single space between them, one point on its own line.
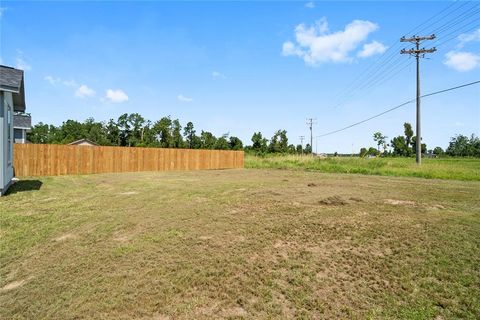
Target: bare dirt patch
234 312
13 285
128 193
400 202
65 237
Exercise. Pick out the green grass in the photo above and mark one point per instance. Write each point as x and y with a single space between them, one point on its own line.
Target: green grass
467 169
240 244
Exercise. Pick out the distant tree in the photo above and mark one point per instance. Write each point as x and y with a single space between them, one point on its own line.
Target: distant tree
363 152
438 151
279 142
148 138
235 143
69 131
308 149
176 140
291 149
112 133
136 123
408 131
299 149
259 143
39 133
125 129
462 146
208 140
474 146
380 139
222 143
399 146
161 131
373 152
189 134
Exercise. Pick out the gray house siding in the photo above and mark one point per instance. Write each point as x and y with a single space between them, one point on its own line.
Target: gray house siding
6 130
12 100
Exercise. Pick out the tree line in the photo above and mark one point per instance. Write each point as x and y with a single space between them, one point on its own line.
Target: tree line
406 145
132 130
278 143
135 131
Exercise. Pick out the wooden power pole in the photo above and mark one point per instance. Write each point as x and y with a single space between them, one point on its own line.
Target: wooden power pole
301 142
418 53
310 123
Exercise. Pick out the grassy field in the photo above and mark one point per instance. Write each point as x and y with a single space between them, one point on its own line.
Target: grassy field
443 168
240 244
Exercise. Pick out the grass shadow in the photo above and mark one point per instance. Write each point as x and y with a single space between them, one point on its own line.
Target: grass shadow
25 185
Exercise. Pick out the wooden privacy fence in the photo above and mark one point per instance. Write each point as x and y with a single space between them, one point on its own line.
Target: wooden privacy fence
50 159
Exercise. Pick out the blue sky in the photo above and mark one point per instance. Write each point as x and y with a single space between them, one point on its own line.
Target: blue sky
241 67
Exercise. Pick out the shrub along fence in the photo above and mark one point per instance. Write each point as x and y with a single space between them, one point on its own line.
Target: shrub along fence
51 160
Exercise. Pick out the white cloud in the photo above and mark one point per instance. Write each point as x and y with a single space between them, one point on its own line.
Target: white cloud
22 65
57 80
83 92
70 83
316 44
183 98
53 81
310 5
116 96
462 61
372 48
218 75
468 37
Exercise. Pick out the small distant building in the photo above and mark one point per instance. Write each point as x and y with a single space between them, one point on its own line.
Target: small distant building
83 142
22 123
12 100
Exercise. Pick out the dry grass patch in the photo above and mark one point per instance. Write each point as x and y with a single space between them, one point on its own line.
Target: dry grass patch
241 244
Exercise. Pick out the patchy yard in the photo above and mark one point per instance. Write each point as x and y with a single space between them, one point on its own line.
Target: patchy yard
240 244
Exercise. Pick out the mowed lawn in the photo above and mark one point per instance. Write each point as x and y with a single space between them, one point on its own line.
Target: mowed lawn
240 244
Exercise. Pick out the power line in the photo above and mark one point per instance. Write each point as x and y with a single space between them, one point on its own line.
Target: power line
391 53
397 107
462 17
432 25
456 32
387 62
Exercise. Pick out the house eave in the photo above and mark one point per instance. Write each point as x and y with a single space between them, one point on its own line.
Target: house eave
9 89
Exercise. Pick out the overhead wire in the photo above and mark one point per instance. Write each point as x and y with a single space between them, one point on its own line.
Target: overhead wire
387 64
397 107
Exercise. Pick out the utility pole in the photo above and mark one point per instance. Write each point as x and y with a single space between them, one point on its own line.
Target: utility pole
310 123
301 141
418 53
